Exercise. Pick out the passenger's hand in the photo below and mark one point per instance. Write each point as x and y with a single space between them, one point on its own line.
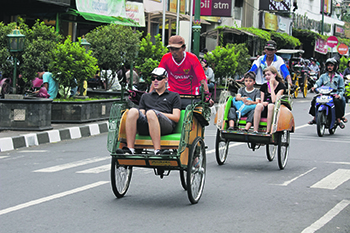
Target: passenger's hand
337 96
313 88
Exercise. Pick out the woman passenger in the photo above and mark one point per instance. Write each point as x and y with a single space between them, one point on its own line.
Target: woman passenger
269 91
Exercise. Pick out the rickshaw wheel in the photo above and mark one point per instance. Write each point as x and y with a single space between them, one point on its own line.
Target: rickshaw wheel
120 178
271 151
196 169
296 92
305 87
183 176
221 148
321 123
283 148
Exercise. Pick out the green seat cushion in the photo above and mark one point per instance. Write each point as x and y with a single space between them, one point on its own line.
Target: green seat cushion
176 135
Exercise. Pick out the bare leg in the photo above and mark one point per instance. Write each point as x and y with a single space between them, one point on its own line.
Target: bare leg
131 126
231 123
248 125
154 128
257 115
270 108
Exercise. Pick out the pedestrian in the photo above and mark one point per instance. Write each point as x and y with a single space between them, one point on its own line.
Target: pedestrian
49 83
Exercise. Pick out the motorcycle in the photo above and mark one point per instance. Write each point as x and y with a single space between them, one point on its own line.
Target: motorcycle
347 88
325 111
312 78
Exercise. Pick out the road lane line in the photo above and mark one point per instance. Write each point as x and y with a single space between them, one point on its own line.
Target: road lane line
71 165
96 170
342 163
333 180
232 145
327 217
52 197
294 179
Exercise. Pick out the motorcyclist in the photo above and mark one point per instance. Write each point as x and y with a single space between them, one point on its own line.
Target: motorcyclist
314 67
331 79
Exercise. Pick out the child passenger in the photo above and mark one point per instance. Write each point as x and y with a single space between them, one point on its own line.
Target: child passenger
270 90
243 94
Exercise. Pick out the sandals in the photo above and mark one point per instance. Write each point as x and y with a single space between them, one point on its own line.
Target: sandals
312 122
341 125
344 119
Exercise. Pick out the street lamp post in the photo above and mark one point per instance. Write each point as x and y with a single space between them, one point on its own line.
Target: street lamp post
85 44
15 46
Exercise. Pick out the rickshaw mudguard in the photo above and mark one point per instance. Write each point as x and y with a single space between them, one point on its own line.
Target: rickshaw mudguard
285 120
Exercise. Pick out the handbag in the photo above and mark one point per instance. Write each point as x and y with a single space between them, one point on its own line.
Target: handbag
241 108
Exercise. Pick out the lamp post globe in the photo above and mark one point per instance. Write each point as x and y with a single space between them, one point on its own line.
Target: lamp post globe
15 46
85 44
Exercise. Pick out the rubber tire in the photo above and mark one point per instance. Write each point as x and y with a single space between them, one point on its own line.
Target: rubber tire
305 90
221 151
321 123
296 92
283 148
271 151
196 175
119 173
183 178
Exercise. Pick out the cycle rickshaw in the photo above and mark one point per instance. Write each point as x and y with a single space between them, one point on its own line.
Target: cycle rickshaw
276 142
186 144
298 75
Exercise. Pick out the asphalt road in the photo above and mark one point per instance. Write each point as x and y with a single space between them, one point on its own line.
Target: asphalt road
65 187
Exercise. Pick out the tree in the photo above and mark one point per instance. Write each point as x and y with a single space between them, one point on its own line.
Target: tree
113 45
70 62
223 61
40 41
149 56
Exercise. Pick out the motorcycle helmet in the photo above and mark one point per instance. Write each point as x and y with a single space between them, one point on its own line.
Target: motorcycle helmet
160 72
332 61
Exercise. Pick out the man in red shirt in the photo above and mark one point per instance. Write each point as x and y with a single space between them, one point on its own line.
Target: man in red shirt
185 72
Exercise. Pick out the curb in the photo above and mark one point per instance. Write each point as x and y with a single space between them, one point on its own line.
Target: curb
52 136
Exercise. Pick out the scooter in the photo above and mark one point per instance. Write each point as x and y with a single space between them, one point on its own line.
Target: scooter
325 111
312 78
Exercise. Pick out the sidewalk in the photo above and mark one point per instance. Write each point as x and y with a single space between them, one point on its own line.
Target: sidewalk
11 140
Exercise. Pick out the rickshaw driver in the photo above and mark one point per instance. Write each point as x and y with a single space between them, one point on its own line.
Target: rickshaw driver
158 113
270 59
184 71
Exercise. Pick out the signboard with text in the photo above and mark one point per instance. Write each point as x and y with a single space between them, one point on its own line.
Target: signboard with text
220 8
332 41
321 46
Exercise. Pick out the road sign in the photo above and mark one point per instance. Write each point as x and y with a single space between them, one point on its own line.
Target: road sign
332 41
343 49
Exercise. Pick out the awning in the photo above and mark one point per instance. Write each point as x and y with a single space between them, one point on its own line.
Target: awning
105 19
158 15
215 32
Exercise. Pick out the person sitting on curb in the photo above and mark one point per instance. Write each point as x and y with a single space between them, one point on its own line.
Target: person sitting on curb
158 113
49 83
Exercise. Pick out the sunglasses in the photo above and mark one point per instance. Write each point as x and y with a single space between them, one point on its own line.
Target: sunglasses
159 78
270 49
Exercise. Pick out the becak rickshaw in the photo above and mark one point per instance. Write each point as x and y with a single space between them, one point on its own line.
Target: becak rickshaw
277 141
186 150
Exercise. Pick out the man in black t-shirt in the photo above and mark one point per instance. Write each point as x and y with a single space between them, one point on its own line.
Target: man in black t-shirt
158 113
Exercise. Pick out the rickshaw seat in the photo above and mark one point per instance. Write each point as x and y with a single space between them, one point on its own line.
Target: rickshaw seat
175 136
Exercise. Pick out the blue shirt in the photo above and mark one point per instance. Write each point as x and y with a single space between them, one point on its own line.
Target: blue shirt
53 85
260 64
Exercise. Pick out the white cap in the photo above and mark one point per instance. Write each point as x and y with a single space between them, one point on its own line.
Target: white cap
159 71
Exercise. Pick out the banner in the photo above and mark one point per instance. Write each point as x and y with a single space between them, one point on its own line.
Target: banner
276 23
173 6
321 46
136 12
102 7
